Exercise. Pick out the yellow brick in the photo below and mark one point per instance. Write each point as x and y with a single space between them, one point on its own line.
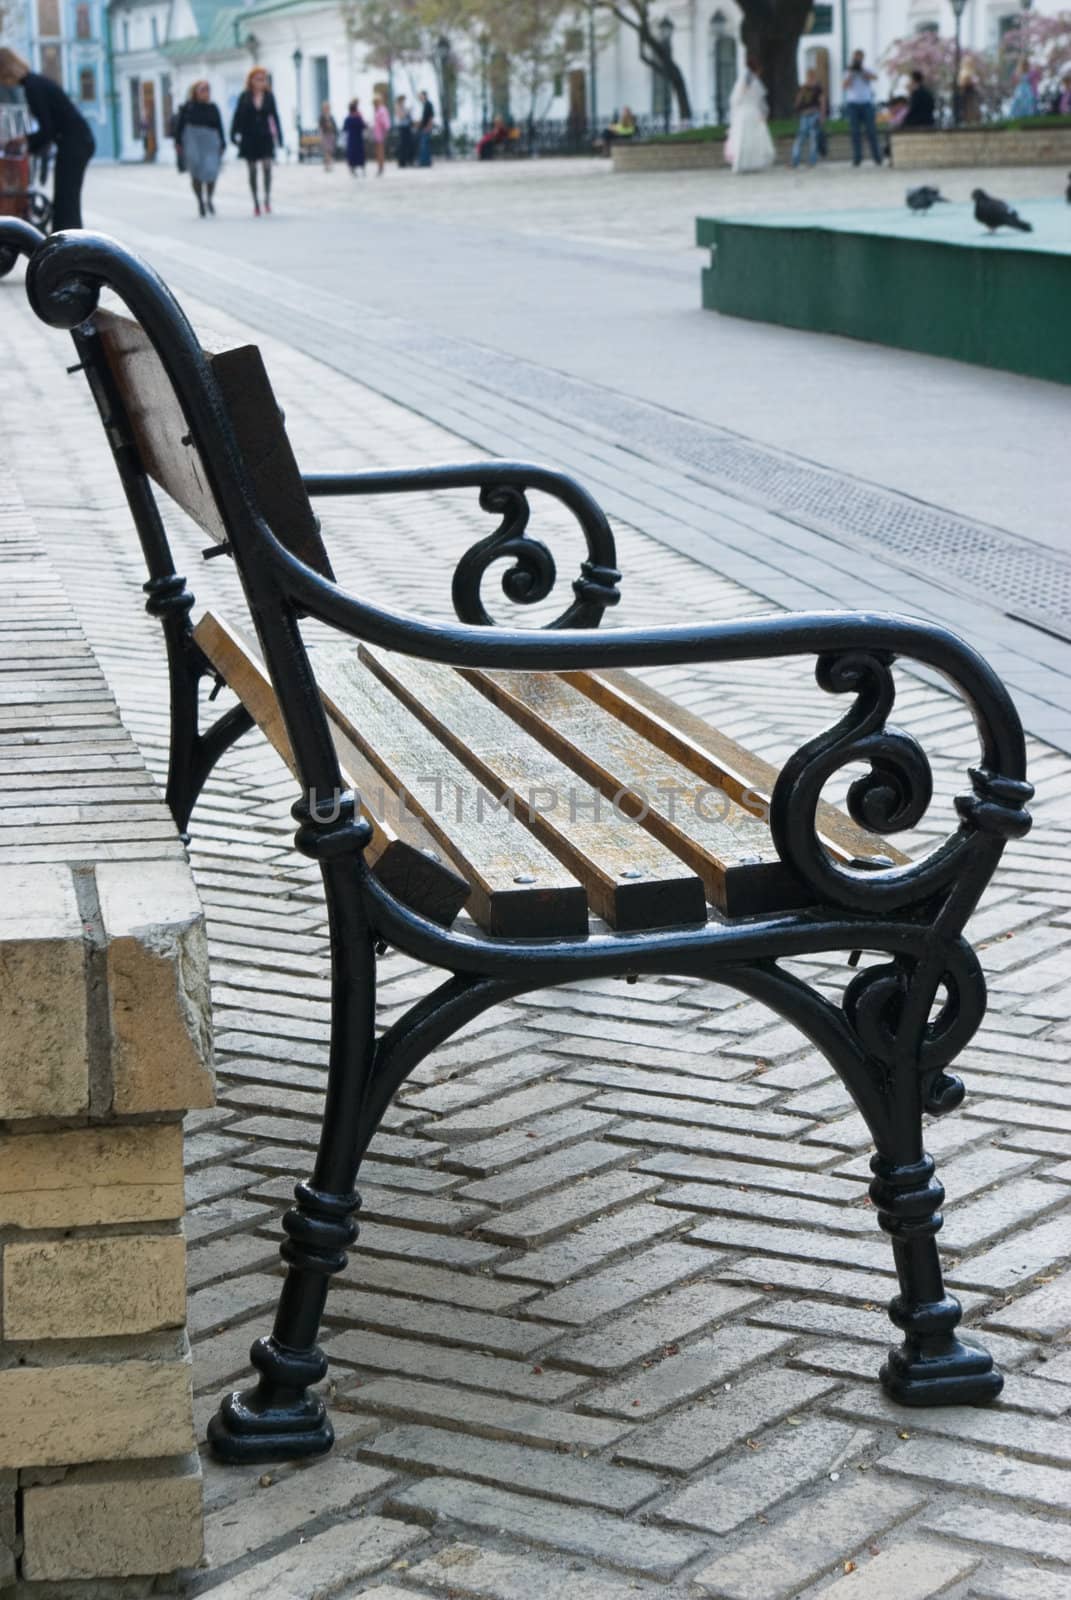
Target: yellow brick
124 1410
93 1288
157 986
82 1176
42 994
97 1524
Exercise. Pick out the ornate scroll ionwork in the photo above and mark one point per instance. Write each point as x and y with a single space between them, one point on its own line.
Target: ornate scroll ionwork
877 1006
17 238
892 796
533 574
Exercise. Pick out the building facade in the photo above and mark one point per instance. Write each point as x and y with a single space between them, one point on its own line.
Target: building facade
67 40
309 48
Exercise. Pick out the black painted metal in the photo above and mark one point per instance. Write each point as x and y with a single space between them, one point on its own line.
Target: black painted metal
17 238
900 1022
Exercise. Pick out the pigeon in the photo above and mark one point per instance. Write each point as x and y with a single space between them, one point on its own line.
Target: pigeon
924 197
994 213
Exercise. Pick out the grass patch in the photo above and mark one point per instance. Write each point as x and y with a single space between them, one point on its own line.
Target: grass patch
780 128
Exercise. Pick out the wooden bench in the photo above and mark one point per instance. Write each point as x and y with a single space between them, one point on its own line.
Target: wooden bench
618 834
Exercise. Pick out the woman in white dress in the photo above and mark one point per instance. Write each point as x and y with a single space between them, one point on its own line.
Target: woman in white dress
749 147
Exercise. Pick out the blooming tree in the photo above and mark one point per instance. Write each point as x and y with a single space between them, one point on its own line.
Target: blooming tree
935 58
1045 41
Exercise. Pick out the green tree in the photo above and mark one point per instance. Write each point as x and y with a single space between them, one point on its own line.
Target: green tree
389 30
639 17
533 35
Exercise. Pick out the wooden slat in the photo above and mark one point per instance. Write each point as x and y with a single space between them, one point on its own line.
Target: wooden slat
519 890
717 759
730 849
159 429
404 858
632 880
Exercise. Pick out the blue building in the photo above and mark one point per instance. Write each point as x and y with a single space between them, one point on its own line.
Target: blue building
67 40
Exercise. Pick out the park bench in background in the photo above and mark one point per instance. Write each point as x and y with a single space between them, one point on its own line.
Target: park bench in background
775 875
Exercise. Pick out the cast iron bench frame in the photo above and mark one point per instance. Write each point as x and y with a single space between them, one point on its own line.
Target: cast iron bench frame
891 1038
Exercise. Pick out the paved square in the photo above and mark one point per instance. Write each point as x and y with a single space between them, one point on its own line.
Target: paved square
591 1342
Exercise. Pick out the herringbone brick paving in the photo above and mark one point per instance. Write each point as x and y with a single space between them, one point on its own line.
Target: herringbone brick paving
613 1322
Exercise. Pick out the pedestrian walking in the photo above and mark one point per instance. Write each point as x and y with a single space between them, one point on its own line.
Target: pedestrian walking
59 123
354 130
255 130
380 130
403 121
810 104
200 143
862 113
749 147
427 121
328 136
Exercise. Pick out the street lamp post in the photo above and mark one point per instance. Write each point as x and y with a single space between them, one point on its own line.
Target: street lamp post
665 34
717 33
442 53
593 66
958 8
485 48
297 58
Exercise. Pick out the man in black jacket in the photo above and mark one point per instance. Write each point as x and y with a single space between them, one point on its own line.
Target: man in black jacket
920 107
427 121
59 123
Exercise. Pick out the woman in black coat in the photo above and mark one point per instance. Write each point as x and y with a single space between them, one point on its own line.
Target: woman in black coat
59 123
255 130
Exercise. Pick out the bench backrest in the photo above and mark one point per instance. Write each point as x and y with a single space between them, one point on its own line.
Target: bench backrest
169 454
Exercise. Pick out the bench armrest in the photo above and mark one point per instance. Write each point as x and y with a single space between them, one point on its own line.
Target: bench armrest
17 238
504 488
855 653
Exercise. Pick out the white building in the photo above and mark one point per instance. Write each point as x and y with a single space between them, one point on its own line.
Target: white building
309 50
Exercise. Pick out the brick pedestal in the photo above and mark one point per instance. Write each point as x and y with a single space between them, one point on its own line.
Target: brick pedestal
104 1042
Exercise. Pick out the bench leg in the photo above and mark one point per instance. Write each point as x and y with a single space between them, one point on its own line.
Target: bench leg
932 1367
279 1419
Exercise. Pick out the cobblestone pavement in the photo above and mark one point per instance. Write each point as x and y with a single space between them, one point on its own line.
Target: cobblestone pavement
613 1322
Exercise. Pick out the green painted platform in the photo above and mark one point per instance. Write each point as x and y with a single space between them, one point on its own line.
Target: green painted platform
933 282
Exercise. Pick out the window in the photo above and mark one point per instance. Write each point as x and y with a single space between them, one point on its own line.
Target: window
724 76
929 27
661 89
48 19
498 82
321 77
1007 55
167 102
126 36
821 20
155 32
83 26
87 84
52 63
134 89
